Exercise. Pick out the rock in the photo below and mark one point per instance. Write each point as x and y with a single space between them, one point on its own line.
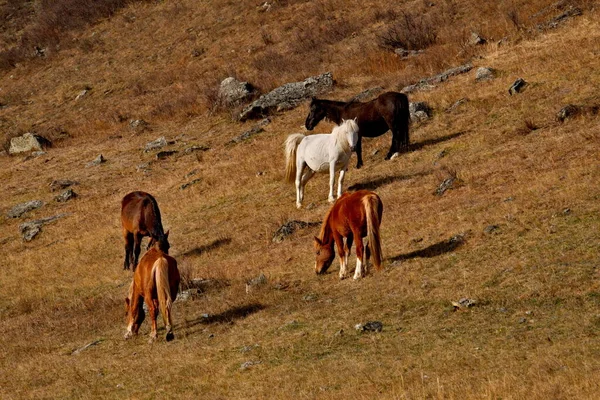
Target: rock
476 39
144 167
491 229
81 94
517 87
22 208
367 94
30 229
90 344
161 155
138 125
255 130
248 364
233 92
572 111
156 144
35 154
287 96
66 196
96 161
457 104
254 283
195 148
485 74
28 142
59 184
445 185
289 228
419 111
463 303
371 326
188 184
404 54
439 78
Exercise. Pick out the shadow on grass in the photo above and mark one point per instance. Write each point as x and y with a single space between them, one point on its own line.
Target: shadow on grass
434 250
431 142
373 184
207 247
227 317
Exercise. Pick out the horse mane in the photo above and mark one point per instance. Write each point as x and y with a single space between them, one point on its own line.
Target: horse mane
339 133
157 230
325 235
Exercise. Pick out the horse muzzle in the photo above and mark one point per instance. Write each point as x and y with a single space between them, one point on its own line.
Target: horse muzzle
352 148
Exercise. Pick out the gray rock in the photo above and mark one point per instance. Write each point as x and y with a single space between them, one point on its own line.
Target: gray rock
517 86
435 79
233 92
96 161
248 364
485 74
156 144
289 228
446 184
161 155
22 208
476 39
491 229
255 130
404 54
457 104
30 229
254 283
66 196
573 110
371 326
28 142
188 184
195 148
419 111
464 303
367 94
138 125
59 184
81 94
287 96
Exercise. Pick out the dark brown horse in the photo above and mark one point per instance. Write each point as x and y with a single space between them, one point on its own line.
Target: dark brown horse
140 217
155 282
353 216
389 111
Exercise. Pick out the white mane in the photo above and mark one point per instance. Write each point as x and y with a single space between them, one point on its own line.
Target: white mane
340 131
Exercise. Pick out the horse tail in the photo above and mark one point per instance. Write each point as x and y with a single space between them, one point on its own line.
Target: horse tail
403 121
291 145
373 211
160 271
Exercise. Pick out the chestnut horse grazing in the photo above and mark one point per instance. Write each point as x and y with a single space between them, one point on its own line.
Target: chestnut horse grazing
140 217
352 217
155 282
389 111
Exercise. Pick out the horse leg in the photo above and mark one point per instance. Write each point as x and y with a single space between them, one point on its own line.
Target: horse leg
128 236
134 302
358 272
308 173
339 244
137 243
348 247
331 199
153 310
341 181
358 150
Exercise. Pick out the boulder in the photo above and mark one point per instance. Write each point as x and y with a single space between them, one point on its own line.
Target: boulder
435 79
22 208
233 92
419 111
59 184
255 130
287 96
485 73
96 161
476 39
28 142
30 229
517 87
66 196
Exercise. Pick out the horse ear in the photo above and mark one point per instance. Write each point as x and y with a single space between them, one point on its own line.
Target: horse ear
318 241
167 233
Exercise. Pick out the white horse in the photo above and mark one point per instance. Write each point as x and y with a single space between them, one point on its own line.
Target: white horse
322 152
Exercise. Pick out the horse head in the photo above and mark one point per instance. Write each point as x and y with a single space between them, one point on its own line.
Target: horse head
324 256
315 115
161 244
351 131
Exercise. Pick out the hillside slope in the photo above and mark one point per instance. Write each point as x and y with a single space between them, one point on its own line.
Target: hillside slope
525 207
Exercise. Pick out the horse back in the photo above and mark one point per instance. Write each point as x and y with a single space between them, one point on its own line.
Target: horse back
349 213
144 277
137 212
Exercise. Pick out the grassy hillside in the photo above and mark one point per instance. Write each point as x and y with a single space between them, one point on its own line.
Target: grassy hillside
525 202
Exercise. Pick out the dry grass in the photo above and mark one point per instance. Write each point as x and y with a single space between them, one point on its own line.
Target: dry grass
534 330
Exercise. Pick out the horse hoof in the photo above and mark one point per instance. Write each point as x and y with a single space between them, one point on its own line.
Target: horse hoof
127 335
169 336
331 199
395 155
298 206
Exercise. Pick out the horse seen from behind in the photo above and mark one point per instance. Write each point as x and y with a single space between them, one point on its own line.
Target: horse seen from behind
140 216
389 111
352 217
305 155
155 282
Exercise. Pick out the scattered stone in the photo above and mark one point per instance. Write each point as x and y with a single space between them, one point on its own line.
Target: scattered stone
59 184
138 125
255 283
491 229
22 208
96 161
570 12
255 130
476 39
485 74
195 148
367 94
287 96
419 111
309 297
35 154
28 142
156 144
289 228
30 229
246 349
522 320
249 364
162 155
439 78
371 326
463 303
144 167
572 110
87 346
189 294
446 184
404 54
233 92
457 104
188 184
81 94
517 87
503 310
66 196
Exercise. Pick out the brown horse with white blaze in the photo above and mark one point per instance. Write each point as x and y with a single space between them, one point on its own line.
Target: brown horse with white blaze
352 217
155 282
140 216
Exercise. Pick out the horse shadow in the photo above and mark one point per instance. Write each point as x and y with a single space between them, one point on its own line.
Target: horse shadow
437 249
226 317
215 244
431 142
373 184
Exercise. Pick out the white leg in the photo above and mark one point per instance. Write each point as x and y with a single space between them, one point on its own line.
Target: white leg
308 173
343 264
341 182
358 270
299 185
331 199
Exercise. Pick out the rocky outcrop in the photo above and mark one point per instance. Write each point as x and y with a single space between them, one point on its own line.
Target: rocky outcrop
233 92
28 142
287 96
439 78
